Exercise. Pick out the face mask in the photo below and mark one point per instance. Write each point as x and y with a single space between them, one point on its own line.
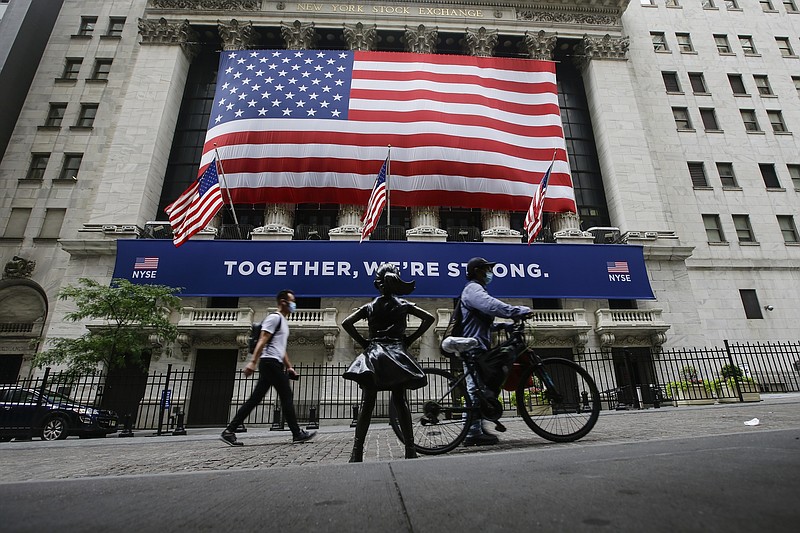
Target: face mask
489 277
292 307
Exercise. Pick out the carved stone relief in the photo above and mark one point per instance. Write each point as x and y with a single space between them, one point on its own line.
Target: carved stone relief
481 42
241 5
236 35
18 268
421 40
360 37
299 36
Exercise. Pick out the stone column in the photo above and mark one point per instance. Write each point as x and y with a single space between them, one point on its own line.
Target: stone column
629 173
279 218
424 220
358 37
128 191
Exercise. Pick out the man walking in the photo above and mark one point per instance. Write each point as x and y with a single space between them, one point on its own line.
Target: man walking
479 310
274 370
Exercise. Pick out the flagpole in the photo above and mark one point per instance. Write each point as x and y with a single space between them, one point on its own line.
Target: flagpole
230 200
388 189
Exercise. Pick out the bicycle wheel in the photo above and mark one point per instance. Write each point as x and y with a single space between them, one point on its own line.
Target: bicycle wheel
558 400
440 416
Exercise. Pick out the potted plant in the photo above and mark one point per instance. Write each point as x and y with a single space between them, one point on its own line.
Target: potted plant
733 381
691 390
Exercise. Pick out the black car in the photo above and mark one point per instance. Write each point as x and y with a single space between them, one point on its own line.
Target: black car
51 416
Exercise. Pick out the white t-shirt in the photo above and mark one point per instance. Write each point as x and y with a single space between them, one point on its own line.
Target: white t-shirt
276 348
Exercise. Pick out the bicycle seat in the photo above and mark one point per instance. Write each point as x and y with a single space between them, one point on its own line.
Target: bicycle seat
459 345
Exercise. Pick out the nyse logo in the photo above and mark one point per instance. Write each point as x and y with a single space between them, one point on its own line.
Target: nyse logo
145 268
618 271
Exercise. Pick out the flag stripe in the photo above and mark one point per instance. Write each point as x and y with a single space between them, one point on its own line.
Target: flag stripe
377 201
196 206
477 129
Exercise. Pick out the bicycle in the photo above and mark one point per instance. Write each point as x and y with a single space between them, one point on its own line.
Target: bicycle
556 397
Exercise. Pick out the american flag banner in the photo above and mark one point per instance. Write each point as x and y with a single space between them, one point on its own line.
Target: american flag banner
146 263
535 214
377 201
196 206
617 267
297 126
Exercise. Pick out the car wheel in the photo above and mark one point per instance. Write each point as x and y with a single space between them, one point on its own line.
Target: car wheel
55 428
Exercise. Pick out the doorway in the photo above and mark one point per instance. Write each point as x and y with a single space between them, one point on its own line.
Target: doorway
635 375
124 389
212 388
9 368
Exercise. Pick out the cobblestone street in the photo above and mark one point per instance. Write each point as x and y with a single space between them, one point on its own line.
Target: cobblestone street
201 450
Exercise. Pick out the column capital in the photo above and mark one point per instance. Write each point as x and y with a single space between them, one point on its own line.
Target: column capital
299 35
539 45
236 35
605 47
480 42
164 32
360 37
421 40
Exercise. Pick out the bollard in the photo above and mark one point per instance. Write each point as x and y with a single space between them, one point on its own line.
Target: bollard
313 420
179 429
277 420
126 430
354 423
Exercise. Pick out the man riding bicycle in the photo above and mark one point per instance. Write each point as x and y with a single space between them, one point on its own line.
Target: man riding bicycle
479 310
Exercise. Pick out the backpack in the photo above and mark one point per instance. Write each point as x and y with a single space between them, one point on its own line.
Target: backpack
255 333
455 328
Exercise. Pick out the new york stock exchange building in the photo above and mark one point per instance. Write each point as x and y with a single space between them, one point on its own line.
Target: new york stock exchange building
676 143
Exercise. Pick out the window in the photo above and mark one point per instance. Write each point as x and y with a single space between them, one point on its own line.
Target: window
748 46
726 175
709 119
38 166
794 173
776 120
784 46
684 43
69 170
698 83
790 6
737 84
731 4
681 115
17 222
762 84
55 115
648 2
708 4
87 26
53 220
697 172
102 67
71 68
766 5
723 45
659 41
743 230
672 3
713 228
86 116
671 83
769 175
796 81
115 26
788 229
752 309
749 119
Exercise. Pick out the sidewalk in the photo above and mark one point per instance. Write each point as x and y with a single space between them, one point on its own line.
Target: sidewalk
201 450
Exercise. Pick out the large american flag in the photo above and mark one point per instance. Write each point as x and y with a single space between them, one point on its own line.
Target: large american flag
300 126
377 201
535 215
196 206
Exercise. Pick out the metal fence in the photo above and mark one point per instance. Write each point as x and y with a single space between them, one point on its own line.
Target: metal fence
669 377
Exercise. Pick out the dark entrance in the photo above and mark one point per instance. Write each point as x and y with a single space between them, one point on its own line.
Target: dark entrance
212 388
124 389
9 368
633 368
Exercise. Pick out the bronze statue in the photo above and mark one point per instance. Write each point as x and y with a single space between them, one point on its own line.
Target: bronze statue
385 363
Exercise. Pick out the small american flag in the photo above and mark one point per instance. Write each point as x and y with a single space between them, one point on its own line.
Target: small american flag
195 208
533 219
617 267
377 201
146 263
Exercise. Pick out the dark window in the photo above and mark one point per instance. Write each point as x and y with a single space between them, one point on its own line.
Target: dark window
659 41
86 116
723 45
546 303
752 309
794 173
726 175
72 164
737 84
224 302
769 175
766 5
698 83
682 120
744 232
748 45
762 84
788 229
55 115
784 46
684 43
87 25
709 119
102 68
622 304
115 26
750 121
713 228
671 82
697 172
71 69
38 166
776 121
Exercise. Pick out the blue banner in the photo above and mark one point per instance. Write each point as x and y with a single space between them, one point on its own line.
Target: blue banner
347 268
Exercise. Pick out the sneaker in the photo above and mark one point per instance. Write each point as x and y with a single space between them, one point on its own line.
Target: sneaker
304 436
481 440
230 439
